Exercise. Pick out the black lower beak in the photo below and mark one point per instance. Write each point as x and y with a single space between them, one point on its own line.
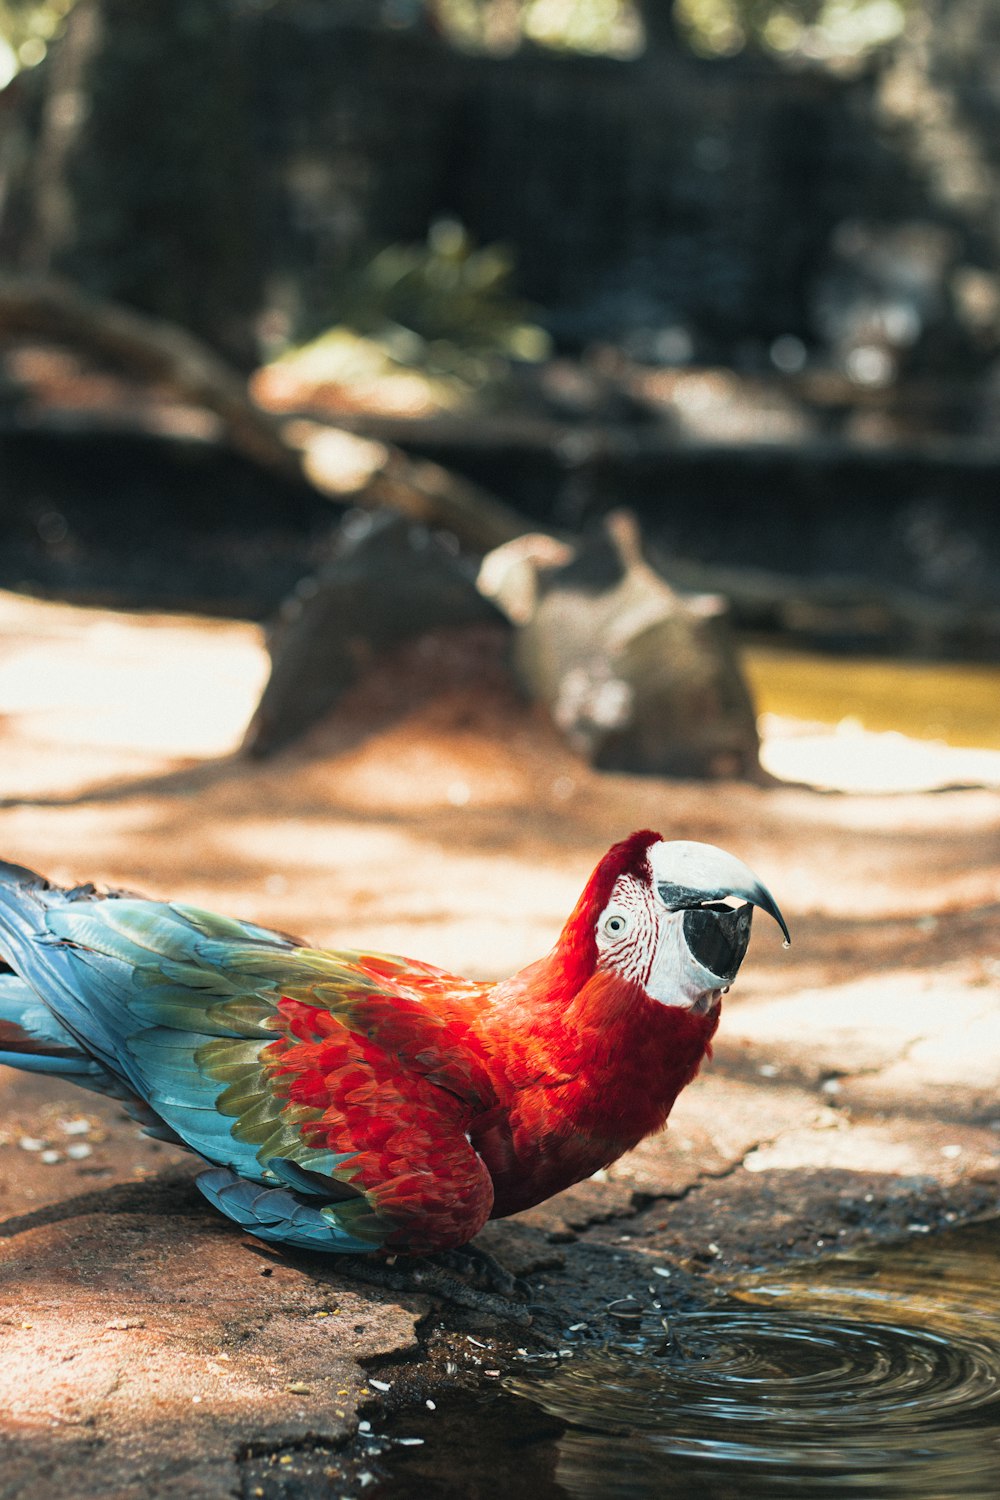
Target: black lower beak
718 938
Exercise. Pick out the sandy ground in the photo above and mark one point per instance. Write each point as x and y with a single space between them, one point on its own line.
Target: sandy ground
147 1347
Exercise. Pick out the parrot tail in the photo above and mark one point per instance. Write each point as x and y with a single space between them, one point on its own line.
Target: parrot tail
30 1036
32 1039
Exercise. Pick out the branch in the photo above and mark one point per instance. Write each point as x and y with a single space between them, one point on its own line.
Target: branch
337 464
149 347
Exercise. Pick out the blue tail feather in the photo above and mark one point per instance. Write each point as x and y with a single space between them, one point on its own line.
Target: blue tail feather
32 1040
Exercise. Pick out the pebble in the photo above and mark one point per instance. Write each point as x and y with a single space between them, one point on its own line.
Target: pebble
79 1151
31 1143
380 1385
75 1127
50 1157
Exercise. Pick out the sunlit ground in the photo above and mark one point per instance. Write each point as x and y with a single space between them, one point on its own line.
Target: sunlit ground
149 691
155 692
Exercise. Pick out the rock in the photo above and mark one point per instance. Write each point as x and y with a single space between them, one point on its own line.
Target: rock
639 677
388 581
145 1347
714 1126
585 1203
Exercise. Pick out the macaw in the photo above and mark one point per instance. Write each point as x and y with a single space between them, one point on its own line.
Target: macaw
352 1101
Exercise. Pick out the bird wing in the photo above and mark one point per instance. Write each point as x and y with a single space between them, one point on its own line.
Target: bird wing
334 1089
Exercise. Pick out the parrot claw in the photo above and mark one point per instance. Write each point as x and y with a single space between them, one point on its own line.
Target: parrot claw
427 1275
484 1270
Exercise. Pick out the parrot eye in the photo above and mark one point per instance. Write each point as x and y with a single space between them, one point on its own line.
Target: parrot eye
616 925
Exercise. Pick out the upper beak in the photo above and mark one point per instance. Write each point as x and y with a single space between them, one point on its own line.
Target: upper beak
690 874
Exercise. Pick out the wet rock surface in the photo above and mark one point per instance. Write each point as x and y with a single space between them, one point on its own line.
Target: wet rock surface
148 1347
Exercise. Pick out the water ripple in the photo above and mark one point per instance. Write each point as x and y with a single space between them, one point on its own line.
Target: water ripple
873 1375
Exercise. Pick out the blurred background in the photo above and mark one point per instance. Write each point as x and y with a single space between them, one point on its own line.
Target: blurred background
732 264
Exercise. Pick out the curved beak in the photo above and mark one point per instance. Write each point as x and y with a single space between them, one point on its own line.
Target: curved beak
688 875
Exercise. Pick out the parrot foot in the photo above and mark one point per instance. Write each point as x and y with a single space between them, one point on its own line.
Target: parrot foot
427 1274
478 1265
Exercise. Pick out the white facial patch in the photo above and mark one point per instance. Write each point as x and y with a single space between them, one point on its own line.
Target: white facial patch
676 976
640 940
627 930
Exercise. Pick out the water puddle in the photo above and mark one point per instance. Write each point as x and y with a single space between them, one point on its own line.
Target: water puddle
872 1374
956 702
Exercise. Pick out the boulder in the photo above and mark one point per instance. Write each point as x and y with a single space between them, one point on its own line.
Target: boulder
639 677
387 581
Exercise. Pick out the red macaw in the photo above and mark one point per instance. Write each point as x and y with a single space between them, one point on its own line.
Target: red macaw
354 1101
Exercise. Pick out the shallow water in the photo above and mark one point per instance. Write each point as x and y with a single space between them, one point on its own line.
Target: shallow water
958 702
873 1374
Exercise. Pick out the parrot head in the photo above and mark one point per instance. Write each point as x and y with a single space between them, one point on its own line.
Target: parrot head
671 916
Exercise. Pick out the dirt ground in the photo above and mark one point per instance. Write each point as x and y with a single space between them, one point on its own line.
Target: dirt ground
147 1347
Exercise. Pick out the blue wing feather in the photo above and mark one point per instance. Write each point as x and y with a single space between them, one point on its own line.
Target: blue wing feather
132 995
278 1214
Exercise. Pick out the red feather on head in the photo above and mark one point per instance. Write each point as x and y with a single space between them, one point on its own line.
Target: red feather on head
577 945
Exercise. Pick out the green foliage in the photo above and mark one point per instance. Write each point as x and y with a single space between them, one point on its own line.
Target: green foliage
26 28
823 29
422 327
827 30
443 308
611 27
440 305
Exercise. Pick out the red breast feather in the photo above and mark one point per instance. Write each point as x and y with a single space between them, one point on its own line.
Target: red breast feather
584 1063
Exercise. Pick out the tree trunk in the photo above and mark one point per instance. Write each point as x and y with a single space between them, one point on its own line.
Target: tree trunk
142 184
659 24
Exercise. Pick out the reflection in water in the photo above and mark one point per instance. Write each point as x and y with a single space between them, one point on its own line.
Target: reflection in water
875 1374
